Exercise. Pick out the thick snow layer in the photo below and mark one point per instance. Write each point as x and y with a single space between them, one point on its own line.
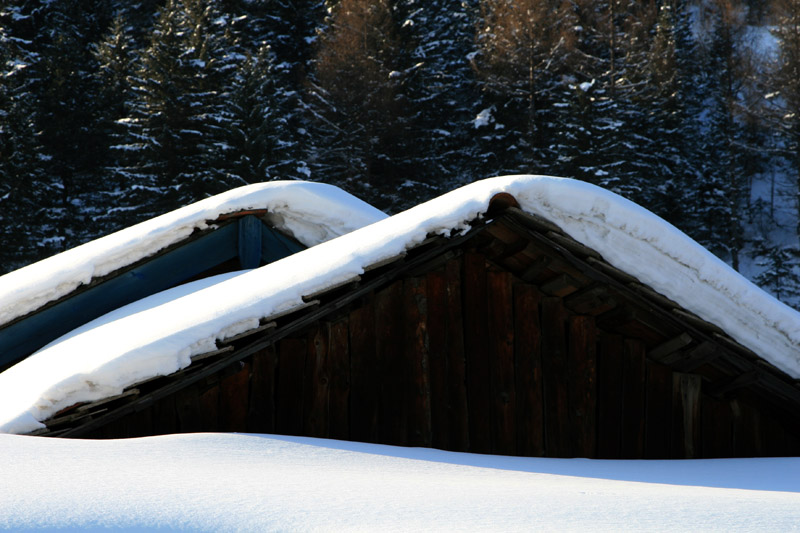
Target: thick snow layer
311 212
218 482
119 353
145 304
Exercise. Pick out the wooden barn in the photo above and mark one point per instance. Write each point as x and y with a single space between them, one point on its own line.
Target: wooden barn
504 336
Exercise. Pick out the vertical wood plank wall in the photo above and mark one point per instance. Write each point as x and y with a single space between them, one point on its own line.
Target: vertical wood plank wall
470 358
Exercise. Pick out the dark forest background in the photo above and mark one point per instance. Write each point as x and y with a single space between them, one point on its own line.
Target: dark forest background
112 112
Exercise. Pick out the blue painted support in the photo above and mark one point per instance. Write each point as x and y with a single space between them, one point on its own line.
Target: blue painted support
276 245
250 242
26 336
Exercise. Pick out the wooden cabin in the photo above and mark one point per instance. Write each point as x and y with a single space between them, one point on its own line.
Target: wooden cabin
512 338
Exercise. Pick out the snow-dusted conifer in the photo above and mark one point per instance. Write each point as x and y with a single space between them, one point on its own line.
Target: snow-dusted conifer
116 59
181 108
785 80
65 118
523 61
439 83
719 197
355 101
262 138
23 184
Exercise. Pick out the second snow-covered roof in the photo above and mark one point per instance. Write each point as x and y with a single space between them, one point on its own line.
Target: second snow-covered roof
310 212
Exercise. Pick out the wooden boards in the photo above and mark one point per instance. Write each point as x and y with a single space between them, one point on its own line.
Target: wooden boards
467 356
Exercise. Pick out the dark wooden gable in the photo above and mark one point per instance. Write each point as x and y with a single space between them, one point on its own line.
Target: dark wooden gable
511 339
235 241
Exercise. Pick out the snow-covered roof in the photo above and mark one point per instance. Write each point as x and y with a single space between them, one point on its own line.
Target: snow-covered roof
139 345
310 212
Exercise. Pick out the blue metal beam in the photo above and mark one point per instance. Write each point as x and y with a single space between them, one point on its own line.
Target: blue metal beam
250 242
275 245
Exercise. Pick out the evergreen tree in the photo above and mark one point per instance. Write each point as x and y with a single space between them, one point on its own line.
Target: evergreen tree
23 184
273 44
356 101
440 85
46 155
664 155
524 62
116 61
720 196
66 115
180 117
287 26
785 81
608 133
263 137
780 274
140 16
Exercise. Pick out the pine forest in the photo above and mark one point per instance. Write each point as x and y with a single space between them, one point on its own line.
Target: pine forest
112 112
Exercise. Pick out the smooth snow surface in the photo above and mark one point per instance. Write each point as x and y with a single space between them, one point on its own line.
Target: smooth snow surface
145 304
311 212
165 337
230 482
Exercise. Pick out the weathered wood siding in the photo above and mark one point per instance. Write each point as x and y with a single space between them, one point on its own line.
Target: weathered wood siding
470 357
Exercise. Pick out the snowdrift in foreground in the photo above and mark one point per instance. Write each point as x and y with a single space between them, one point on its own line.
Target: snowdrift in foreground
228 482
162 340
311 212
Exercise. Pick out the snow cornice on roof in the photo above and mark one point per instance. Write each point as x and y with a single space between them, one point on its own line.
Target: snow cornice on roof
634 243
